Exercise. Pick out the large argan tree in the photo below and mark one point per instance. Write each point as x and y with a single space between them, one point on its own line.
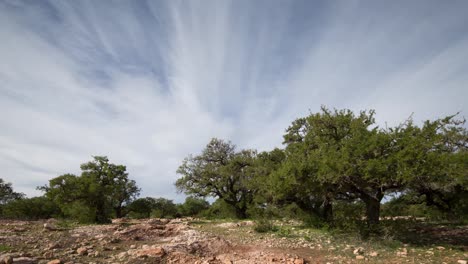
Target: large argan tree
220 171
336 154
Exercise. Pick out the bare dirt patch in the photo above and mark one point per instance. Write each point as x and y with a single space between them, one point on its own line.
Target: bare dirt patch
207 242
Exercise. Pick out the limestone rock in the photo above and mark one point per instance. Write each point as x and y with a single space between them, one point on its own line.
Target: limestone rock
82 251
299 261
358 251
50 227
24 260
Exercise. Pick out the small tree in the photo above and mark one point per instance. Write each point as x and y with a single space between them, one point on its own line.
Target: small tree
100 192
193 206
141 208
164 208
7 194
220 172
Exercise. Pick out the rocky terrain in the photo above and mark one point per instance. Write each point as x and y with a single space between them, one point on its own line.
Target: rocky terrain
190 241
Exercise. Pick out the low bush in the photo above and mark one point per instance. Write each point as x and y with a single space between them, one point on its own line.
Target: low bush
264 225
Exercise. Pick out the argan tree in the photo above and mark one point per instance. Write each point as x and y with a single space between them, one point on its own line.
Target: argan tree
220 171
7 194
335 154
433 160
99 192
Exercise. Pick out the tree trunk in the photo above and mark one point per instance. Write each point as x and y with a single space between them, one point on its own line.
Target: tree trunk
328 211
372 210
241 212
118 212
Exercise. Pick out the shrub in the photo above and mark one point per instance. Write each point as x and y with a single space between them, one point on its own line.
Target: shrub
193 206
219 210
31 209
264 225
141 208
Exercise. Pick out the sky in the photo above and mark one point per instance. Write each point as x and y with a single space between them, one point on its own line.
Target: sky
147 83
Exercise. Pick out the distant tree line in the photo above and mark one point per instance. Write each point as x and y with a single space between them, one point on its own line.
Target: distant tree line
102 191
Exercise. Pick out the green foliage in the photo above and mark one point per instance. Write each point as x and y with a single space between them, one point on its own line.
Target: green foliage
141 208
7 194
99 193
264 225
414 204
164 208
4 248
152 207
337 167
337 155
67 224
434 163
220 210
284 231
220 172
31 209
82 212
348 215
193 206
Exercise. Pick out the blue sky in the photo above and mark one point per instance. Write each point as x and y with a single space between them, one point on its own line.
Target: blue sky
149 82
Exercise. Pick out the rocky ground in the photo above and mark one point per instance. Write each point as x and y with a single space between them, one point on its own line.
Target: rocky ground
190 241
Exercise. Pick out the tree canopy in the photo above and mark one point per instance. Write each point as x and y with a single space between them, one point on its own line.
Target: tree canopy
98 193
338 156
7 194
220 171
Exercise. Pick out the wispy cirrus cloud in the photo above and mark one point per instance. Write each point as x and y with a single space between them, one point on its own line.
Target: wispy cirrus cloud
147 83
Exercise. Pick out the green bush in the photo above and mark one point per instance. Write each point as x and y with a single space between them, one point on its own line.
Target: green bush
80 211
264 225
283 231
140 208
193 206
348 216
219 210
31 209
152 207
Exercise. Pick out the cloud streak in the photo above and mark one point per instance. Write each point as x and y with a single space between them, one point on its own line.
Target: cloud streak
147 83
